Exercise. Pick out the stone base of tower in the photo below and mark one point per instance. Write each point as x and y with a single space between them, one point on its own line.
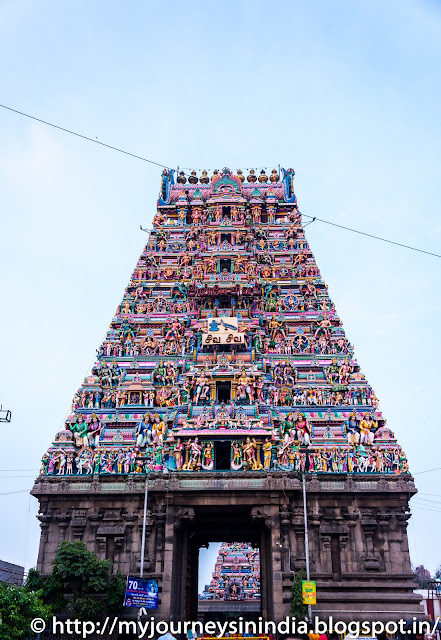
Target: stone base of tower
356 523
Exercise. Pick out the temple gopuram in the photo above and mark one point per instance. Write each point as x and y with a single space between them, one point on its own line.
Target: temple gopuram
236 573
224 381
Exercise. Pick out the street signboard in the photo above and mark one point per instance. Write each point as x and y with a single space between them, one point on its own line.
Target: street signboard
309 594
141 593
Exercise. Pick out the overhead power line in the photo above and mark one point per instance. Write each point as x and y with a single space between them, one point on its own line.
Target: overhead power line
13 470
427 471
9 493
370 235
79 135
159 164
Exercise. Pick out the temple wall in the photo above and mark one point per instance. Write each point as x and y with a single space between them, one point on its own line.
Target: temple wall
357 535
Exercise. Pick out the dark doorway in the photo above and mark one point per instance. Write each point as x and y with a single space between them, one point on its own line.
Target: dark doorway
225 263
223 392
226 237
225 302
226 211
231 524
222 455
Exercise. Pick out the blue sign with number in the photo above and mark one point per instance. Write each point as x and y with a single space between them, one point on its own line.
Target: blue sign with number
141 593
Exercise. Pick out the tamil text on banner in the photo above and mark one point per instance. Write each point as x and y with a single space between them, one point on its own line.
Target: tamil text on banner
223 330
141 593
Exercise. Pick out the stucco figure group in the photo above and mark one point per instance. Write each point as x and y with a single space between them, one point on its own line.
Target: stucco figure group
225 334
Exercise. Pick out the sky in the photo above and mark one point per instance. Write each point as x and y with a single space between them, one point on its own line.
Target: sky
346 93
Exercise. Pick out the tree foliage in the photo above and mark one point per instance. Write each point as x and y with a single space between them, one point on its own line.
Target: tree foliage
50 588
298 609
18 606
80 582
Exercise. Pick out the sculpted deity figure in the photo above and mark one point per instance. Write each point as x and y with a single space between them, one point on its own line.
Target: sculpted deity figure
367 429
115 373
244 385
324 325
105 375
79 431
207 457
351 430
61 463
333 372
303 430
195 455
178 451
159 374
267 453
259 386
236 456
143 432
158 429
69 462
202 386
276 327
94 431
249 451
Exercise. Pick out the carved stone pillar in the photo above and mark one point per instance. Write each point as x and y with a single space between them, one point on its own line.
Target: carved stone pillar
62 526
78 524
165 607
179 568
159 542
101 547
44 526
369 526
300 558
285 542
351 561
325 556
118 549
263 516
383 519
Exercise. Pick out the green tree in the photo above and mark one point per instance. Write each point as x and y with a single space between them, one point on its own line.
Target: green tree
80 582
50 587
115 594
298 609
437 575
18 606
83 575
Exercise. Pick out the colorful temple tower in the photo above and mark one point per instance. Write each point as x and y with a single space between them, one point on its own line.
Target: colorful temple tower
225 377
236 573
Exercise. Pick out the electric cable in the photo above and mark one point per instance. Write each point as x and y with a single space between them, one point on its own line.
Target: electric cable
9 493
370 235
79 135
159 164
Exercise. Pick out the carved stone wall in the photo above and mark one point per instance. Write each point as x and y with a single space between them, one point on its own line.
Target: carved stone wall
359 553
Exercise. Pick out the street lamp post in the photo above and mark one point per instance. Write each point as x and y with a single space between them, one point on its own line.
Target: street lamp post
305 518
144 521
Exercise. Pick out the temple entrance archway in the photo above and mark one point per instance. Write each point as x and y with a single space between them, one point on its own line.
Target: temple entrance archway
205 524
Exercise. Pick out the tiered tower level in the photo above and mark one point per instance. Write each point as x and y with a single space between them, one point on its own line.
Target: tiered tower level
226 359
